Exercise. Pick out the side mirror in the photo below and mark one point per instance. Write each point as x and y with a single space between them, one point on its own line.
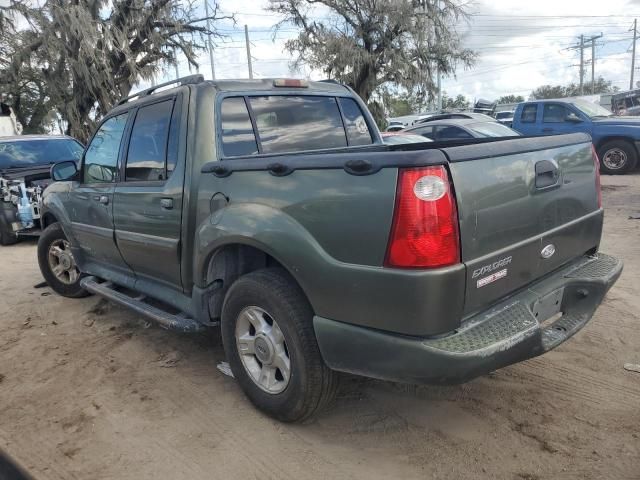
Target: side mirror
64 171
573 118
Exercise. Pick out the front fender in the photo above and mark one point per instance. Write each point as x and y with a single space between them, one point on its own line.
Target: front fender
53 201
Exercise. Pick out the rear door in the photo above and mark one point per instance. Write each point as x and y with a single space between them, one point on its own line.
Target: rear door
90 204
148 199
527 195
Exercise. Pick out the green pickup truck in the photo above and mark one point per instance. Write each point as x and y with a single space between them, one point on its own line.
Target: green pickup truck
271 208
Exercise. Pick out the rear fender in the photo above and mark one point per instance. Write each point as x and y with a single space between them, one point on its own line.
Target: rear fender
267 229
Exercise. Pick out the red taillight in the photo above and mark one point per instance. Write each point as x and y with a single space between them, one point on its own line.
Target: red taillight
424 233
596 162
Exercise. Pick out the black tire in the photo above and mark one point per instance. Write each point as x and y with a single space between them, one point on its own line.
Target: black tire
623 154
311 385
52 234
7 237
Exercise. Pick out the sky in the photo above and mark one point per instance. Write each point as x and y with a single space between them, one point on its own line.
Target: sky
520 45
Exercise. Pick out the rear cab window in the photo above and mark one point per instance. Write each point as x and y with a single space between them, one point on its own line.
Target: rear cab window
273 124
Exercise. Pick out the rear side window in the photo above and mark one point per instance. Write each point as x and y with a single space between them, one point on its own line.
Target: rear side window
426 132
297 123
357 130
147 156
529 113
237 132
452 133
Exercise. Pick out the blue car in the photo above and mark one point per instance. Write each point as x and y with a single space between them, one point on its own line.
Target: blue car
616 139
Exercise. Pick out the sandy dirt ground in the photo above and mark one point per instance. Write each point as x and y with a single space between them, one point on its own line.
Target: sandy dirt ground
90 391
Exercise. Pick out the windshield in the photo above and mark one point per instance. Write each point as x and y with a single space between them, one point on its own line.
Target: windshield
28 153
491 129
591 109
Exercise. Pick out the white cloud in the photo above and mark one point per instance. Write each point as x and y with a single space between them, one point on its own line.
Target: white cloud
521 45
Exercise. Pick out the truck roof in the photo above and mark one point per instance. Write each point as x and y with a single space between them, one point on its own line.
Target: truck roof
242 85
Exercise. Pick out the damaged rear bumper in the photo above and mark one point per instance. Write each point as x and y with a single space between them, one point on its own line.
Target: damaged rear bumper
523 326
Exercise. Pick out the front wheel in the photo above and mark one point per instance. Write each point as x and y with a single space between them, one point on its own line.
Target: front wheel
267 331
57 264
617 157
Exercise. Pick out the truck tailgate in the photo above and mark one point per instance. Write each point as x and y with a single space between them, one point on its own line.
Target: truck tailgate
526 207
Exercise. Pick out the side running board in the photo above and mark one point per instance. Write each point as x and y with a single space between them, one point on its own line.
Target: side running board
170 321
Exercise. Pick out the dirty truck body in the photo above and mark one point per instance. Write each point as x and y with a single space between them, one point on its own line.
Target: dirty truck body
424 263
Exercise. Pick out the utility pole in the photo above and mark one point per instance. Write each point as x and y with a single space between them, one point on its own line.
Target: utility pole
582 46
209 43
593 61
246 37
633 54
581 64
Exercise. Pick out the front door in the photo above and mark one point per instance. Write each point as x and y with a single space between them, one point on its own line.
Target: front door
148 198
90 204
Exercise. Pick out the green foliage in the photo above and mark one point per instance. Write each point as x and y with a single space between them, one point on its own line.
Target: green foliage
73 59
460 102
510 99
370 44
572 90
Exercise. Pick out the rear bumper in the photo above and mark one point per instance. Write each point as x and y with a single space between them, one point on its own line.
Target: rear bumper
507 333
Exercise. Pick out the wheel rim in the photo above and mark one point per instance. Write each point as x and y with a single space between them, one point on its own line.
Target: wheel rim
263 350
614 158
61 262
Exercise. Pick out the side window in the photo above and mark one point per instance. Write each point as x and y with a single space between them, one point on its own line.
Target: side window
297 123
357 130
237 133
554 113
101 159
426 132
529 113
452 133
147 156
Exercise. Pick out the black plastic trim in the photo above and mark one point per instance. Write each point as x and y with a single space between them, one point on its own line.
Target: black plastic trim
355 163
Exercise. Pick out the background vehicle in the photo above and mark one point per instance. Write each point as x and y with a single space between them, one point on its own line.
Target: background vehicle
396 127
396 138
461 129
505 118
25 162
457 115
615 138
626 103
273 209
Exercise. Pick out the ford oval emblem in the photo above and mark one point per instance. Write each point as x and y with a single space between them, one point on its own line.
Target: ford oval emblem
548 251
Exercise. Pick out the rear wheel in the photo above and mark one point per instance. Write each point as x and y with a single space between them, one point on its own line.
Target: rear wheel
268 337
617 157
57 263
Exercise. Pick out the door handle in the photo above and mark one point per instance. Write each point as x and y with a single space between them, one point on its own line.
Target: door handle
547 130
103 199
547 174
166 203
